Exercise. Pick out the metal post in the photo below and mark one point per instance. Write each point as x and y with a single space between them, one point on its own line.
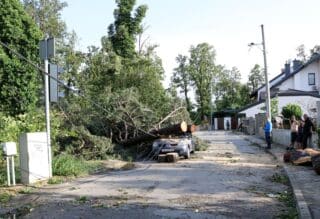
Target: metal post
8 171
46 85
13 172
268 105
211 122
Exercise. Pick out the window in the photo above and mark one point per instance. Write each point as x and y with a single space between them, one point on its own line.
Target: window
312 79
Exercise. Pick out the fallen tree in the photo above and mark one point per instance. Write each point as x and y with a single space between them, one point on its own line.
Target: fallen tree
176 129
306 157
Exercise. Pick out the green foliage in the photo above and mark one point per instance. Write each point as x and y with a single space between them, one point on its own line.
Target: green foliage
181 78
229 92
200 144
202 70
291 110
19 82
274 107
47 15
256 78
68 165
126 27
5 197
80 142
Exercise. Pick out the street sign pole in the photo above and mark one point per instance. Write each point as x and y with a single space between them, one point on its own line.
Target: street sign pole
46 87
47 49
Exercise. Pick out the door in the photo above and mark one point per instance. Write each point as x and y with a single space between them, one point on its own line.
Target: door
234 123
220 123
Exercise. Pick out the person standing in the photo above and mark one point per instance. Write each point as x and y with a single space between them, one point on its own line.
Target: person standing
300 135
307 131
294 130
267 131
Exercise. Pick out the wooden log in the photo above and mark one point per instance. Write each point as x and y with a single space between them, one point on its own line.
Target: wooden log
191 128
306 160
312 152
176 129
162 158
316 163
172 157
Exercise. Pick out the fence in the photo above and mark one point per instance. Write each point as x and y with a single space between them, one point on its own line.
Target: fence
283 137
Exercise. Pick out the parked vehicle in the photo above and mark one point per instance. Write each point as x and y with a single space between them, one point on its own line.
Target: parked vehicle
183 145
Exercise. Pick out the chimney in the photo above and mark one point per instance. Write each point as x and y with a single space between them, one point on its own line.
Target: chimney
296 64
287 69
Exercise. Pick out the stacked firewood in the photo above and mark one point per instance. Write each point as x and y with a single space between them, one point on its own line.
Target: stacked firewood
307 157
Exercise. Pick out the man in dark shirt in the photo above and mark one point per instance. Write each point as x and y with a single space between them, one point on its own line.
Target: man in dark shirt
307 131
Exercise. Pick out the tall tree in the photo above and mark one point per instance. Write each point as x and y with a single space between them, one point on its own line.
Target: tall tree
47 15
256 78
125 29
301 53
315 50
202 70
18 80
230 93
181 78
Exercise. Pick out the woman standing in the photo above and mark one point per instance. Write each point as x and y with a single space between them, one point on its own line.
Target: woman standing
294 130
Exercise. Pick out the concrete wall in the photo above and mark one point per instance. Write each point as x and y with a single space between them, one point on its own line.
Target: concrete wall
283 137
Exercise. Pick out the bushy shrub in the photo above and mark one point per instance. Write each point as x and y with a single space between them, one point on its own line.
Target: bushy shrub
291 110
68 165
79 141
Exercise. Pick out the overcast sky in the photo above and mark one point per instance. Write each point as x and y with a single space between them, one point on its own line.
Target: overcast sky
228 25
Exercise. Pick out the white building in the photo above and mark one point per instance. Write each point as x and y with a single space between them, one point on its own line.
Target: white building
299 84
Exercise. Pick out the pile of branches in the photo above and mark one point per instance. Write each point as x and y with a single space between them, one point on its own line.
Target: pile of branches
118 118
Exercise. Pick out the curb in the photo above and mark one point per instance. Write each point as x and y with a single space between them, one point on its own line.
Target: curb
301 204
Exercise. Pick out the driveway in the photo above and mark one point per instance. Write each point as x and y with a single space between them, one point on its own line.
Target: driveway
232 179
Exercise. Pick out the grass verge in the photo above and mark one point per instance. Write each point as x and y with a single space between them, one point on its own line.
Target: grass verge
68 165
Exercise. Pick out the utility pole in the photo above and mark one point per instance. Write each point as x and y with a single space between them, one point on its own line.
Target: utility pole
211 106
47 50
268 105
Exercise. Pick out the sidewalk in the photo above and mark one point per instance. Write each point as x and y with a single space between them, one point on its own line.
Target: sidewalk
304 180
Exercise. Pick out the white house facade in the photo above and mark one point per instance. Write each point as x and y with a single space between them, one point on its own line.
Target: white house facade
299 84
307 104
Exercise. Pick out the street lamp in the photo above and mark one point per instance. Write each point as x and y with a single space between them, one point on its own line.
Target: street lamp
268 105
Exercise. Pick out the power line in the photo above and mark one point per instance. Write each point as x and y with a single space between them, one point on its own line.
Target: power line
63 84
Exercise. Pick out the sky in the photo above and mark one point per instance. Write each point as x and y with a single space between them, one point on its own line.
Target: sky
228 25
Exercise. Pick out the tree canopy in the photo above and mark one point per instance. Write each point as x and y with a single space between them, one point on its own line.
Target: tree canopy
19 84
124 30
256 78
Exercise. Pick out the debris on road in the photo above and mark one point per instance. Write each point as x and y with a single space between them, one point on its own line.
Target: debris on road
307 157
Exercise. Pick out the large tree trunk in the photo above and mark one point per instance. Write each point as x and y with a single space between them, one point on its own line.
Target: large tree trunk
177 129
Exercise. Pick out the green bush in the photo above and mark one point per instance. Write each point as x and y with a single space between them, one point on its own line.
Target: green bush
68 165
79 141
291 110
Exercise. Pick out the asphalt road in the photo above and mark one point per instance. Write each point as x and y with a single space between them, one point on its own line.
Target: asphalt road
232 179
